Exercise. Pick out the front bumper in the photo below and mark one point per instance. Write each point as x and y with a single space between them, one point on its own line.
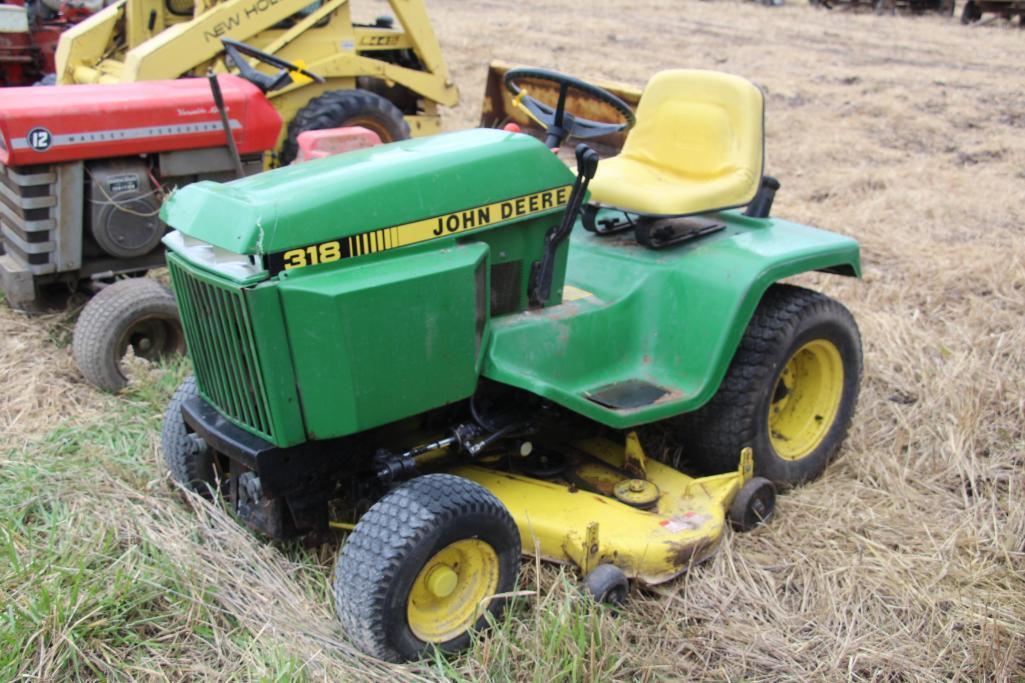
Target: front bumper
308 469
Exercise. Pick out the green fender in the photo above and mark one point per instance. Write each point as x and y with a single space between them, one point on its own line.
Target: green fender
663 323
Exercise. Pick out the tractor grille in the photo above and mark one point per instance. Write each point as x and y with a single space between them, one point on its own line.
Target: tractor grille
28 197
223 348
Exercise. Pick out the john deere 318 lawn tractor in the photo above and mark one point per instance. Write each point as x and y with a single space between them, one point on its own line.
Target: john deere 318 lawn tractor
455 339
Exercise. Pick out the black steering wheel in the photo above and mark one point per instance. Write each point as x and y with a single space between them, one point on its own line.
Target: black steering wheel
559 123
264 82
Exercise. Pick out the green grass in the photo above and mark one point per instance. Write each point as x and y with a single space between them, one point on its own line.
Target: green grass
108 572
85 596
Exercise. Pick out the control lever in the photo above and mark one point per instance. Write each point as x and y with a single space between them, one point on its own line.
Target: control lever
542 271
215 89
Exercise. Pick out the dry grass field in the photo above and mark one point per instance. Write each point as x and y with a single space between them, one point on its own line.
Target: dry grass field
904 562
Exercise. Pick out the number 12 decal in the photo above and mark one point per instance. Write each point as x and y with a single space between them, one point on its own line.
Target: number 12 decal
40 139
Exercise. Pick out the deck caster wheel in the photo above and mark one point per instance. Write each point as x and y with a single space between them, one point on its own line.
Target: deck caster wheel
188 457
971 12
139 313
422 567
789 393
753 505
608 584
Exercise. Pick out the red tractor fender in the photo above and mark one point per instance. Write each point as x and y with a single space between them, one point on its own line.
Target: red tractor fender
74 122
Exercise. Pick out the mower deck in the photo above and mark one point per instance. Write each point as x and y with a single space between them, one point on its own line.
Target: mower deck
579 516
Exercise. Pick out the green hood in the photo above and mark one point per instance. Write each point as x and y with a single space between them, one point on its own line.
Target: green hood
365 190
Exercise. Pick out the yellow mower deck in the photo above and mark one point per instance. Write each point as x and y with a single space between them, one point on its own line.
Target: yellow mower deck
580 521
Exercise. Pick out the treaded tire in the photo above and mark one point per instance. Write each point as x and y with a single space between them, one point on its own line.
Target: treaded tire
787 318
394 540
190 460
137 312
339 108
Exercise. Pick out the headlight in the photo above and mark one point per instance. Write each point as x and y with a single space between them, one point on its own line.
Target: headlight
239 267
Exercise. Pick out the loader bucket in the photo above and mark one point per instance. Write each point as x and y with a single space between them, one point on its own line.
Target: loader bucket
498 108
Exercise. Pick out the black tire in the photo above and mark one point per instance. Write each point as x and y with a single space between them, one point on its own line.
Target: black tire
608 584
138 312
339 108
189 459
391 548
753 505
788 319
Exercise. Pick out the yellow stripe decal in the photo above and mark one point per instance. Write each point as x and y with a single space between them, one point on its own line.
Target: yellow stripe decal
423 230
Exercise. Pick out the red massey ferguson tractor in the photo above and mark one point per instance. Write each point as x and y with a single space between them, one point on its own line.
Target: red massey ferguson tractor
29 32
83 172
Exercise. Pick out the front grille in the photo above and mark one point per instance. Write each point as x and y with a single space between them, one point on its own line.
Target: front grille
222 346
28 201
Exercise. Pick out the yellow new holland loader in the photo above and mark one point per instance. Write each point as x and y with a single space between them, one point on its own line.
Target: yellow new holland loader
386 78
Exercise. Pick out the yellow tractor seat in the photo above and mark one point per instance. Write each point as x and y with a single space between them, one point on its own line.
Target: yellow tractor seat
697 147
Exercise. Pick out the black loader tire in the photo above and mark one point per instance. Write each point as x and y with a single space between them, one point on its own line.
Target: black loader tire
391 548
339 108
137 312
189 459
787 320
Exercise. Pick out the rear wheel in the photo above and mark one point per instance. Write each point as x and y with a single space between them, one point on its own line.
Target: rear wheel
340 108
789 393
138 313
423 565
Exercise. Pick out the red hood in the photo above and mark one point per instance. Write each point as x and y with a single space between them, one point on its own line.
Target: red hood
70 122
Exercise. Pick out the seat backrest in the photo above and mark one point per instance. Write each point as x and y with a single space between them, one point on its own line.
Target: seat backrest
699 124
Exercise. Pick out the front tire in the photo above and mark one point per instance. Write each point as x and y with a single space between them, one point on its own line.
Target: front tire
789 393
188 457
420 562
139 313
339 108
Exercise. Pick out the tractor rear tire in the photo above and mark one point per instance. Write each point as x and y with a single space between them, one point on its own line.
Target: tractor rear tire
420 562
339 108
789 393
189 459
140 313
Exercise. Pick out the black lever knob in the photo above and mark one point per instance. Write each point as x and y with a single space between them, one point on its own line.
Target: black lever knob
587 161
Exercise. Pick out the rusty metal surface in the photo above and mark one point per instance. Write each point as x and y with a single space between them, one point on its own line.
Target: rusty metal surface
498 109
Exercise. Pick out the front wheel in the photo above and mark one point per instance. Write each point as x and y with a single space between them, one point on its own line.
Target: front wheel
424 566
789 393
190 460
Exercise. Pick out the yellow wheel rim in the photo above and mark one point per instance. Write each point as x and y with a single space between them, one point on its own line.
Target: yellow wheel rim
452 590
806 399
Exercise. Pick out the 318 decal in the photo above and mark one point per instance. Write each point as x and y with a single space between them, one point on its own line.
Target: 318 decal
312 255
